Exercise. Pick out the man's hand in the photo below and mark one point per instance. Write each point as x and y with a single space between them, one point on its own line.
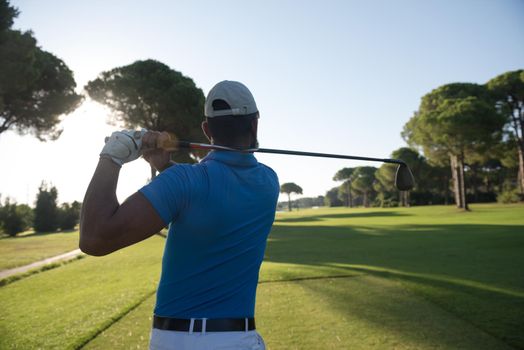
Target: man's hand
157 157
124 146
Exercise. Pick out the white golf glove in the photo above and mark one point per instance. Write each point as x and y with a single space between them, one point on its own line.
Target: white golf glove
124 146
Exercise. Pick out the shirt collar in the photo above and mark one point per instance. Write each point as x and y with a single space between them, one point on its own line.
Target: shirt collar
232 158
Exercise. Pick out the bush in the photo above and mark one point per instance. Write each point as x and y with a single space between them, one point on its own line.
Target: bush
332 199
508 195
390 203
69 215
15 218
46 211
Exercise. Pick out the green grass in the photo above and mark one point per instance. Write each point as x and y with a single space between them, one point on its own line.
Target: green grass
46 267
130 332
26 249
360 312
468 263
415 278
65 307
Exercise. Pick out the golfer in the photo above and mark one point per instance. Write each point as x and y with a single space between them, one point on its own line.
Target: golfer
219 213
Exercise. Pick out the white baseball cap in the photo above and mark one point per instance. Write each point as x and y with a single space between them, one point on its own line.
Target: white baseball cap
235 94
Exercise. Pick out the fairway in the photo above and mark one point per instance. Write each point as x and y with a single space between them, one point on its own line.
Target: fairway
399 278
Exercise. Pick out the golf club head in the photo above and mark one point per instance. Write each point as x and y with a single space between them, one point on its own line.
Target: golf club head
404 180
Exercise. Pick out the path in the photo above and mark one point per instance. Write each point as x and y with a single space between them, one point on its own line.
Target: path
62 257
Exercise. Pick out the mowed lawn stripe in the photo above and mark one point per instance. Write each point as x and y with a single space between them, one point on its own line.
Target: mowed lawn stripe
130 332
359 312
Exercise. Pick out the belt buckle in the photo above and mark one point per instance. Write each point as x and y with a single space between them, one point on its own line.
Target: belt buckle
197 325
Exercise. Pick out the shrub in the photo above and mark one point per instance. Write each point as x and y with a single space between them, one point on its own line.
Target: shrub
15 218
332 199
69 215
46 211
508 195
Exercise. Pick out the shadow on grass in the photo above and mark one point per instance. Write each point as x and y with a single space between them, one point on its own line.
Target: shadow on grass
321 217
473 271
395 317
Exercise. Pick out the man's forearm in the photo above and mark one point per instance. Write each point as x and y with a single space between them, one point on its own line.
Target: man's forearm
100 201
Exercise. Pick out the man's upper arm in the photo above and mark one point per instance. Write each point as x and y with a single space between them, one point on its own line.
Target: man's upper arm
155 205
137 214
134 221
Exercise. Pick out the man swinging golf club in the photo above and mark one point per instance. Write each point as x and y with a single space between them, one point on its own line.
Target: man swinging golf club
219 213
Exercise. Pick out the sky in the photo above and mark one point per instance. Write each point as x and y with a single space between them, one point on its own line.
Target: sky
328 76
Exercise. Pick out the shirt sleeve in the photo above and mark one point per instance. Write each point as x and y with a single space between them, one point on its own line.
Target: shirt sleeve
169 193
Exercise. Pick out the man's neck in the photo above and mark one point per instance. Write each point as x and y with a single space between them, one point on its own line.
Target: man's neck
242 145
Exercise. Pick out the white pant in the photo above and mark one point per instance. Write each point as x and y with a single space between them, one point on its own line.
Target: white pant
173 340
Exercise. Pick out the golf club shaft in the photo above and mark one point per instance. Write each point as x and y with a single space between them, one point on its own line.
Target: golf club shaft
194 145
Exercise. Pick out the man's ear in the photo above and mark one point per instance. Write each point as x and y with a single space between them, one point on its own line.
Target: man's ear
254 130
207 132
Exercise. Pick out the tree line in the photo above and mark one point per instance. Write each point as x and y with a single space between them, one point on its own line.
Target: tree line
46 216
466 145
465 140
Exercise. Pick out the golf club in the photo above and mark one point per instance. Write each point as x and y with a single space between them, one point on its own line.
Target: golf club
404 180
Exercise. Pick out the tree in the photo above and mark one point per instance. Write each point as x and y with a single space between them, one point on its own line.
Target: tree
36 87
419 168
69 215
385 184
331 199
290 187
309 202
507 177
345 174
363 179
508 91
7 15
436 179
46 211
14 218
148 94
455 121
431 186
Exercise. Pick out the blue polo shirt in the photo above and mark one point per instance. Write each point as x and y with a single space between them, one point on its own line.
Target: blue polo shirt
220 213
